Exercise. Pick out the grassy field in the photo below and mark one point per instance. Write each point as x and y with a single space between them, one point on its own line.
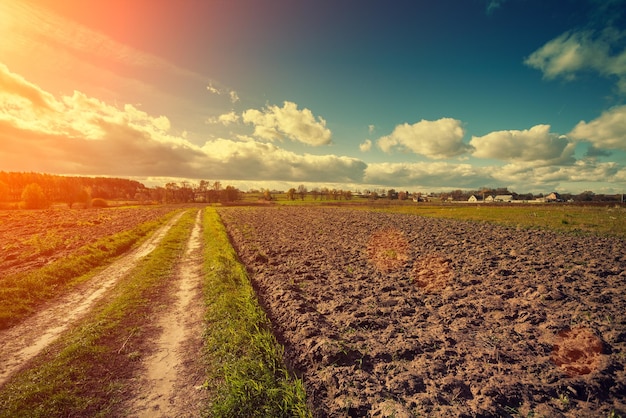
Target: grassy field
246 371
603 220
608 219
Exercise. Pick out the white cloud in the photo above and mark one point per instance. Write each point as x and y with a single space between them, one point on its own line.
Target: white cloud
433 174
519 177
265 161
606 132
365 146
573 52
276 123
437 139
534 145
582 171
371 129
225 119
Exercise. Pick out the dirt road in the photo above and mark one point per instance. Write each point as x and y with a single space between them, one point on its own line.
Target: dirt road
24 341
173 375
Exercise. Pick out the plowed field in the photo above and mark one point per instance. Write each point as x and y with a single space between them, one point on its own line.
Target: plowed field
388 314
30 239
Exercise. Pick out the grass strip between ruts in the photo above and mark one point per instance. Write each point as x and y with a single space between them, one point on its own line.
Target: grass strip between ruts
20 294
88 370
247 376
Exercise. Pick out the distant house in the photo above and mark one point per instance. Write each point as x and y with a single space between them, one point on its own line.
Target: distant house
503 198
553 197
489 199
474 199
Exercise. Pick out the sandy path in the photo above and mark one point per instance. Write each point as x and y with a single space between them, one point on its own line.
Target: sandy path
173 375
24 341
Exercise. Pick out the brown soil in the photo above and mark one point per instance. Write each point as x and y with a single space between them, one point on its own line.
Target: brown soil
398 315
30 239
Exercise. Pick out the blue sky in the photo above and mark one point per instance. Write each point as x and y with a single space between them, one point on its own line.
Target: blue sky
415 95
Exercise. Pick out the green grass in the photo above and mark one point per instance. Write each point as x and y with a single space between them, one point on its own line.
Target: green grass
87 371
602 220
247 376
22 293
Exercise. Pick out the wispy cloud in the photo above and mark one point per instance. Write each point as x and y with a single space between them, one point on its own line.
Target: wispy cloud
574 52
366 145
276 123
493 5
442 138
232 94
33 28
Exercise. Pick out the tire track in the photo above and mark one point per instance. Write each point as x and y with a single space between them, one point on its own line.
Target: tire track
24 341
173 375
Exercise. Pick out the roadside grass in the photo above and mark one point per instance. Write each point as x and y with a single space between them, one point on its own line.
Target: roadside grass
582 219
87 371
246 374
20 294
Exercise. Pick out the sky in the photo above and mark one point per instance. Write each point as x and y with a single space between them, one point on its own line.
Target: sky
423 96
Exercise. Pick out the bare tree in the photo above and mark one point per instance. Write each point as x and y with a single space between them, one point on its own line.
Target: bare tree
302 191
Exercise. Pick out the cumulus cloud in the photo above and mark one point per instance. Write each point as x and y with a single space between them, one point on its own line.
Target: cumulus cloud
520 177
433 174
535 145
266 161
608 131
225 119
437 139
573 52
275 123
365 146
582 171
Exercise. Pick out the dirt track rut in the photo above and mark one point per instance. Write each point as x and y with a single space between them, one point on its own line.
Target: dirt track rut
24 341
172 376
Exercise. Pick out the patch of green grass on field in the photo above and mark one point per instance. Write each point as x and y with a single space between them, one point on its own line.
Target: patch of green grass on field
246 375
22 293
601 220
86 372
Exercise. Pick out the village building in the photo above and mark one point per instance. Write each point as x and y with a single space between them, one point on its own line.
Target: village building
553 197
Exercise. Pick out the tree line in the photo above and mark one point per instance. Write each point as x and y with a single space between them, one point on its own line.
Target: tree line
37 190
